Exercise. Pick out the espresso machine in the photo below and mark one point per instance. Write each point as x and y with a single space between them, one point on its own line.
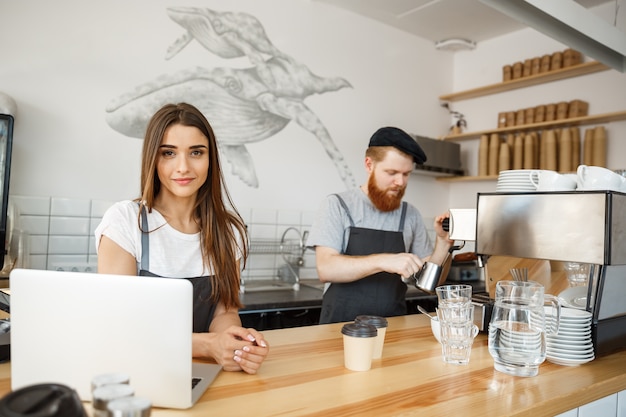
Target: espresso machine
570 226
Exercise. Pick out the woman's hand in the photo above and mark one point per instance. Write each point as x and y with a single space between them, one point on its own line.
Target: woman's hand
236 348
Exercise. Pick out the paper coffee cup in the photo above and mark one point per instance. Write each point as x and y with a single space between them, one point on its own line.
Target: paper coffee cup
381 326
358 345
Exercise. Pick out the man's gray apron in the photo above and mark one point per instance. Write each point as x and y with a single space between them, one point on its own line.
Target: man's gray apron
382 294
203 308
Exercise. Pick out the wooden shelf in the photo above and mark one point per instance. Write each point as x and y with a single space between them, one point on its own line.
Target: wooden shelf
574 71
574 121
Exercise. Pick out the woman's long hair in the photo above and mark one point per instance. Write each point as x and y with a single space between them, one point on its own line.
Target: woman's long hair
219 243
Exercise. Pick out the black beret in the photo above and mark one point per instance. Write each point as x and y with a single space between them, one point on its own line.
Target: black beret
399 139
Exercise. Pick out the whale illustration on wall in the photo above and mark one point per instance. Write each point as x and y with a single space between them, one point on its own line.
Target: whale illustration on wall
243 105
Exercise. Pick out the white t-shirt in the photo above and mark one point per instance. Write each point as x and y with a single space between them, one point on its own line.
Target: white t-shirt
173 254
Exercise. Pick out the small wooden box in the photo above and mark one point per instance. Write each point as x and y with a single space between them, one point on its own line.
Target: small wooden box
510 118
545 63
550 114
518 69
535 66
527 67
556 61
540 114
578 108
529 116
571 57
502 119
562 110
507 73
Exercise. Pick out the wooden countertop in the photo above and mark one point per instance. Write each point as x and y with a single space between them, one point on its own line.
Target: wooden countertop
304 376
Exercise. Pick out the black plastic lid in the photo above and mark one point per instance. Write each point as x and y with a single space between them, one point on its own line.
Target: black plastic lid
43 400
359 330
376 321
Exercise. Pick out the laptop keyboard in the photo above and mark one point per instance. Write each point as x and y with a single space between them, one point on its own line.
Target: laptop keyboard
194 382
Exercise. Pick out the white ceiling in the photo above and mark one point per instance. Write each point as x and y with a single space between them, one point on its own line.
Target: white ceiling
438 20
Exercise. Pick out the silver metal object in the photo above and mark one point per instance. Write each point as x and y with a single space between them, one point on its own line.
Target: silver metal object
575 226
444 157
423 311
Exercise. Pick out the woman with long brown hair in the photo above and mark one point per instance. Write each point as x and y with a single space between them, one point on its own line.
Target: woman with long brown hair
185 225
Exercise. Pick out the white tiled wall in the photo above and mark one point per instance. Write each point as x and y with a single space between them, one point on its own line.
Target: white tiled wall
266 226
59 231
60 234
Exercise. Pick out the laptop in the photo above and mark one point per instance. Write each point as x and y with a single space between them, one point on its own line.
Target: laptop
68 327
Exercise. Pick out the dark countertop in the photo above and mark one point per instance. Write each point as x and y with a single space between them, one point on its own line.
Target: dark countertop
310 296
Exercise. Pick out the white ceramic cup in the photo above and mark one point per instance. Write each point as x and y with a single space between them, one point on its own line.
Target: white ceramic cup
436 328
358 345
545 180
599 178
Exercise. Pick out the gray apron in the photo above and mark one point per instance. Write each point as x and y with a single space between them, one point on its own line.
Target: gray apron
203 308
382 294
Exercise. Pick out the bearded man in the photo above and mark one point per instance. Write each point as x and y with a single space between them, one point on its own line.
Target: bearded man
367 239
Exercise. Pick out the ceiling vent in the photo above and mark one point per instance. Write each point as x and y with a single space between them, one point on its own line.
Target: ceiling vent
455 44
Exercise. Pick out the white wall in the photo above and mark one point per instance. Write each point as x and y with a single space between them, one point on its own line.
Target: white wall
604 91
64 61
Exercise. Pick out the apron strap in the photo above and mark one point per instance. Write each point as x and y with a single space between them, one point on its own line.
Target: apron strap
402 217
145 241
345 207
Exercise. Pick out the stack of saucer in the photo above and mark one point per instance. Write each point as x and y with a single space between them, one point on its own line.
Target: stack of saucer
572 344
515 181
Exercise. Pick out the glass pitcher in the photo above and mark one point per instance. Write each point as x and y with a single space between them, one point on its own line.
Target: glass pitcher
517 329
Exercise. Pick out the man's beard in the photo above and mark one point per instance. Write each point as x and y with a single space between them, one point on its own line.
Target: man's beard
381 199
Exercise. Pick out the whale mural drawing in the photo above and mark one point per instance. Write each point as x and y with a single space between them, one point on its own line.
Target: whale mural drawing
244 105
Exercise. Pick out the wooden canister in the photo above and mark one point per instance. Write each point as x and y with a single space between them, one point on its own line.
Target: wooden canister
541 162
504 159
510 140
510 118
565 150
571 57
551 150
599 147
507 73
540 114
483 156
494 153
556 61
529 115
519 117
518 152
550 114
529 152
562 110
588 147
536 148
545 63
502 119
535 67
527 67
577 108
518 69
575 132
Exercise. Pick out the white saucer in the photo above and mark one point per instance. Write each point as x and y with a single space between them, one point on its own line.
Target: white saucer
584 351
569 362
575 297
